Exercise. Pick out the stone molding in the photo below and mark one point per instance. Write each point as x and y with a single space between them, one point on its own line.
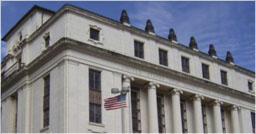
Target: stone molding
77 10
128 78
234 107
66 43
152 85
175 91
197 97
216 102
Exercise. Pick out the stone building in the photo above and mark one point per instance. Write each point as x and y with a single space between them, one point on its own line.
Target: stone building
60 66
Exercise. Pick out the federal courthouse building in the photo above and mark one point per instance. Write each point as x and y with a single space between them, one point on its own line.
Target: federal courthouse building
60 66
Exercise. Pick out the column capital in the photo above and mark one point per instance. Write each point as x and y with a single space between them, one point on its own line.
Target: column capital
175 91
152 84
216 102
197 97
234 107
128 78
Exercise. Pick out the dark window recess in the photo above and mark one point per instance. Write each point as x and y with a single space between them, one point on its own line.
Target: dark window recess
250 87
95 113
160 111
136 126
94 34
47 41
205 71
139 49
185 64
204 118
15 99
20 38
46 103
163 60
183 111
223 121
253 121
224 79
19 62
94 80
95 96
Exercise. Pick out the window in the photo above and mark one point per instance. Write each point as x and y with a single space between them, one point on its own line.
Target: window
138 49
94 80
204 118
253 121
205 71
94 34
136 126
47 41
163 60
223 121
160 111
183 111
224 79
185 64
95 96
95 113
14 98
250 85
20 36
46 105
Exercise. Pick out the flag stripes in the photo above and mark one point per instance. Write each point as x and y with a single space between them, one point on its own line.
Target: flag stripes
115 102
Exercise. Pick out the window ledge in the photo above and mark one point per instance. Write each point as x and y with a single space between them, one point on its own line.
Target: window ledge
251 91
95 41
96 124
44 129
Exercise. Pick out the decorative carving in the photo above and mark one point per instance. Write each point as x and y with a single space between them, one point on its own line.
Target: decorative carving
217 102
149 27
95 97
212 51
128 78
197 97
152 85
229 57
193 44
234 107
124 17
175 91
172 35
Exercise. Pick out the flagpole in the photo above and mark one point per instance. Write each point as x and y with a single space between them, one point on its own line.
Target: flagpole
122 114
124 90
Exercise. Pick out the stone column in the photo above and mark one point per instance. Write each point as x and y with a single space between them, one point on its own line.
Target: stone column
198 113
152 107
235 119
176 113
217 116
126 112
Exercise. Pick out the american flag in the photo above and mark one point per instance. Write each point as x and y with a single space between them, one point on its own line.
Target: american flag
115 102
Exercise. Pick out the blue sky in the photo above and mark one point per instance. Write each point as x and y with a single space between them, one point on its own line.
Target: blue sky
230 26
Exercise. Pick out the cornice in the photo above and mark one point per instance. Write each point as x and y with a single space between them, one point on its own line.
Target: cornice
154 37
66 43
134 30
33 9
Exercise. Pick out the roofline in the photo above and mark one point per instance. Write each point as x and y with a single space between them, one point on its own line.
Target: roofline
35 7
162 38
140 31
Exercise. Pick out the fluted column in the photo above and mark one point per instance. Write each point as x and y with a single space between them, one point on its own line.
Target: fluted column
152 107
176 113
198 113
235 119
126 112
217 116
